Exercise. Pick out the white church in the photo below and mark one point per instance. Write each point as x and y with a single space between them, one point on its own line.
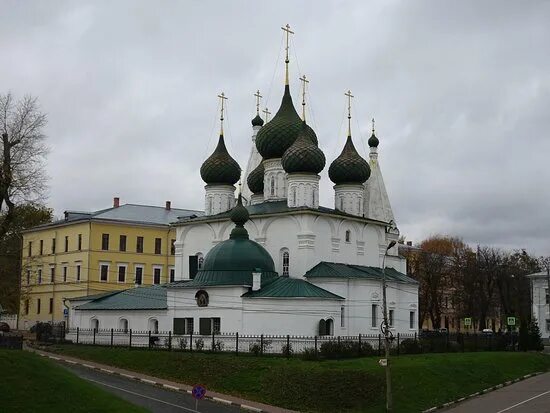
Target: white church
271 260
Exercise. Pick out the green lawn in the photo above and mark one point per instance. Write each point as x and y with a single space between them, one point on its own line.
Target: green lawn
355 385
30 383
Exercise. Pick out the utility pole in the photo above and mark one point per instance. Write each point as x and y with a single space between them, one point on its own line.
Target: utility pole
386 331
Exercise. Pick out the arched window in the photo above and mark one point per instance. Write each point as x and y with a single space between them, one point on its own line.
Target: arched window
348 236
229 206
272 185
154 325
123 325
208 205
285 258
341 203
94 324
294 196
326 327
313 198
330 327
200 260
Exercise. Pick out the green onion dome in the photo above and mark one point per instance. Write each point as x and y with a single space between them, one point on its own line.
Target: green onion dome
373 141
255 180
220 167
277 135
304 155
257 121
349 167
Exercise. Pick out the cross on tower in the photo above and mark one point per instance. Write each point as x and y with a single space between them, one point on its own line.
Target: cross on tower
373 126
258 97
223 98
288 32
349 95
266 113
304 84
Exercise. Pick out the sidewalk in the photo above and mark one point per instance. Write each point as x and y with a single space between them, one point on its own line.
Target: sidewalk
171 385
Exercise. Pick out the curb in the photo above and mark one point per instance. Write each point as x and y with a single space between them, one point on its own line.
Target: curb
479 393
214 399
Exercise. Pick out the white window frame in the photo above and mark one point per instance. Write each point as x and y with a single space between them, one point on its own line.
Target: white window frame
118 266
412 317
136 266
155 267
108 265
285 252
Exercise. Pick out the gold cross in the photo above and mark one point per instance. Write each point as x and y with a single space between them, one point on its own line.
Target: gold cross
222 98
288 32
304 84
258 97
266 113
349 95
373 126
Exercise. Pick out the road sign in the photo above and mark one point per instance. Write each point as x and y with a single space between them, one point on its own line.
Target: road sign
511 321
65 311
199 391
467 322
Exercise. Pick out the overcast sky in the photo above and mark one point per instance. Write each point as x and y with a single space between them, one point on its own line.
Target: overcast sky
460 92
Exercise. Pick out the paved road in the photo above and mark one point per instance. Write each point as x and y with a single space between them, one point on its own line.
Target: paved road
527 396
153 398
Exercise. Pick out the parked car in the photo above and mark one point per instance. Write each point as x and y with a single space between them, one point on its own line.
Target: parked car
487 331
4 327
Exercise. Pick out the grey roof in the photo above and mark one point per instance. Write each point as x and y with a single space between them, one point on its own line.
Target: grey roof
338 270
540 274
277 207
130 213
139 298
284 287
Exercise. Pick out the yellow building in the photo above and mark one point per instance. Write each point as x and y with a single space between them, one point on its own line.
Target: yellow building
90 253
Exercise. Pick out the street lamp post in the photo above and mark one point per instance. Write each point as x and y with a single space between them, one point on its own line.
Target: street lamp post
386 330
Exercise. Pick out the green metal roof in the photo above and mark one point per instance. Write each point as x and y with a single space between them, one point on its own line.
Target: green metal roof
140 298
284 287
94 296
336 270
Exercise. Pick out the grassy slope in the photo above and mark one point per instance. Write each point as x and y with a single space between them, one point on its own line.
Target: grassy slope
354 385
30 383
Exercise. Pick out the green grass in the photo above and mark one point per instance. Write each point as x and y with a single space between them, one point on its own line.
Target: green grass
355 385
30 383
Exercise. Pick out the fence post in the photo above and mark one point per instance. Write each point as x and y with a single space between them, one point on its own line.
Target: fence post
379 343
94 336
130 339
339 348
287 346
149 339
398 344
77 333
170 341
262 344
111 337
237 343
315 346
212 341
447 342
475 341
360 348
415 338
191 341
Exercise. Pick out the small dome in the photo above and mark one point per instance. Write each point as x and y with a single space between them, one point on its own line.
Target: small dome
373 141
255 179
257 121
349 167
220 168
304 155
277 135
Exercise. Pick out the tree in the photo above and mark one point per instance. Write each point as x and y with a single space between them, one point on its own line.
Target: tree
23 151
24 217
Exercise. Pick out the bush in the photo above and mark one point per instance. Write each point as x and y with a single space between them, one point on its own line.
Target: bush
218 346
199 344
410 346
535 339
345 349
256 348
310 354
43 331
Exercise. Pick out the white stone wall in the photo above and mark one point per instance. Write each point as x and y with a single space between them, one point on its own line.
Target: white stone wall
303 190
218 199
138 320
275 184
349 199
541 310
309 238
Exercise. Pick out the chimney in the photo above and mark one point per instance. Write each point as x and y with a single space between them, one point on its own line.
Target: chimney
116 202
256 279
409 243
168 206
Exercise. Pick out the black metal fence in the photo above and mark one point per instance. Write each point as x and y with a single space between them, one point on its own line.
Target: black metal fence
324 346
11 341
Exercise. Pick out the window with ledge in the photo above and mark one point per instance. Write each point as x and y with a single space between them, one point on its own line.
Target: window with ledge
153 325
53 245
342 316
390 316
326 327
38 303
105 242
158 245
80 242
285 258
139 275
51 306
30 248
172 275
122 243
374 315
52 275
411 319
348 236
121 273
66 244
123 325
41 247
156 275
104 273
139 244
39 276
65 274
78 269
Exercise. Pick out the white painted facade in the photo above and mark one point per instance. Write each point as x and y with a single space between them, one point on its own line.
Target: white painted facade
303 190
541 307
